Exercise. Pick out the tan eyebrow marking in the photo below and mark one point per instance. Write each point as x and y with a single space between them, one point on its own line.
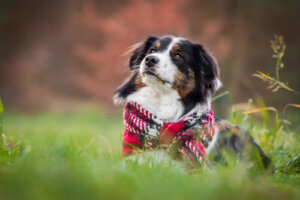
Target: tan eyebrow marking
175 47
157 45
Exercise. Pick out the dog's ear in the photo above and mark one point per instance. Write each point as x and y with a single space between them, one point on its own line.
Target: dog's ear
207 69
140 51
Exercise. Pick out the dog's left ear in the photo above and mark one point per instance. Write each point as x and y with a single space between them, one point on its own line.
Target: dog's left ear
140 51
209 69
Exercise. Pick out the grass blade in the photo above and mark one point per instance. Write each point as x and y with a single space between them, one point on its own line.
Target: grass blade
288 105
220 95
1 116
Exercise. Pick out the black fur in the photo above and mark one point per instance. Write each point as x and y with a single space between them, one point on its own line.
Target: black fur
209 69
195 57
206 71
128 87
240 143
135 60
164 43
140 53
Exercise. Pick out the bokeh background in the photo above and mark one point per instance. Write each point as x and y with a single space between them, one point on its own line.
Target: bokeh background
64 54
61 61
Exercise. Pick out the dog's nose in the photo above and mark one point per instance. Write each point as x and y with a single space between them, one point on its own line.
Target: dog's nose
151 61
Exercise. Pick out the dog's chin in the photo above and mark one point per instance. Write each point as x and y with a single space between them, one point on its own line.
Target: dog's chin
153 80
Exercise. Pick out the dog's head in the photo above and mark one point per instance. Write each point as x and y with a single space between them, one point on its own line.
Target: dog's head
172 63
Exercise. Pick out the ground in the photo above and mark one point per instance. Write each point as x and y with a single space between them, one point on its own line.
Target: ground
78 156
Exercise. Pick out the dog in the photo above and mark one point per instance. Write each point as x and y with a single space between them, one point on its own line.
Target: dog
168 104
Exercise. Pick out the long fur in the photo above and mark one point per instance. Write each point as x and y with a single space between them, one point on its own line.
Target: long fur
172 77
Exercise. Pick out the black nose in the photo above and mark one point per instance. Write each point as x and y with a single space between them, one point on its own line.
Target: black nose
151 61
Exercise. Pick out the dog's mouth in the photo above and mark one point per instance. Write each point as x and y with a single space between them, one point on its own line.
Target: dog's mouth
152 73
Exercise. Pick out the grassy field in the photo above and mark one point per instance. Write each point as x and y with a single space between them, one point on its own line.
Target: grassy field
77 156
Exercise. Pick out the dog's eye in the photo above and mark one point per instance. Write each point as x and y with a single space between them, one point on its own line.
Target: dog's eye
177 56
152 51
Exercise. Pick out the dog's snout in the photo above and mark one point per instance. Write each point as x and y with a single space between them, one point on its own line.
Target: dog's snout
151 61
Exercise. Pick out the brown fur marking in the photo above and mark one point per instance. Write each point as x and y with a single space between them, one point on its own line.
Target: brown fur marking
175 48
138 82
184 84
157 45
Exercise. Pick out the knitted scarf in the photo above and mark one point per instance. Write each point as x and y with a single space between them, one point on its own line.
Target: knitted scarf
186 138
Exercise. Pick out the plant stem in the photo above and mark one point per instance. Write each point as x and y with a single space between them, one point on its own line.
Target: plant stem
277 68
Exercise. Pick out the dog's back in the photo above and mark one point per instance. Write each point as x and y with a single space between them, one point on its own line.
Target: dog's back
233 139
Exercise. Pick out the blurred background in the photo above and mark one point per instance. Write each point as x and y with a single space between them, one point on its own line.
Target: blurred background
59 55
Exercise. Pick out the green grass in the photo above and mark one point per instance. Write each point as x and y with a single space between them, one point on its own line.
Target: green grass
78 156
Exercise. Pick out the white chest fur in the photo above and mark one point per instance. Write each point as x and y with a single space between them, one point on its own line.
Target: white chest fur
166 105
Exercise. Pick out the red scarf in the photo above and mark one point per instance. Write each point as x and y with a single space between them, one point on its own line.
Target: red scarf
186 138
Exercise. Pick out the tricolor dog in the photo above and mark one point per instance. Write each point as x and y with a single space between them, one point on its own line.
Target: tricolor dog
167 103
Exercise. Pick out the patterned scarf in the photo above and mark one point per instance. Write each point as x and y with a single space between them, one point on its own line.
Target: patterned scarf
186 138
